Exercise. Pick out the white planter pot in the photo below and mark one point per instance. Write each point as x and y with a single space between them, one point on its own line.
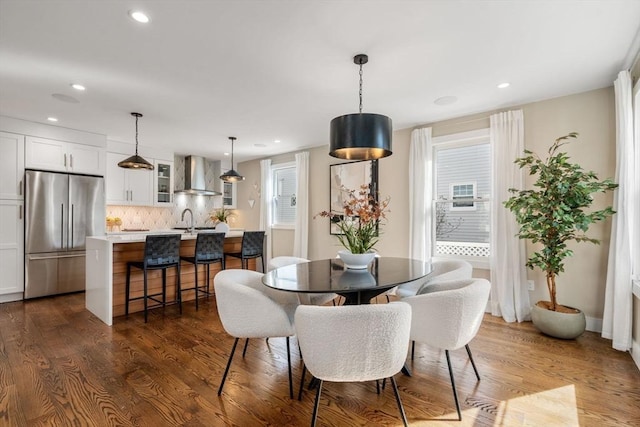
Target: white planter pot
558 325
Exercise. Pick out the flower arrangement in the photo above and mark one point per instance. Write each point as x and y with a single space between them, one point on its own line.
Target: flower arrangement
220 215
359 224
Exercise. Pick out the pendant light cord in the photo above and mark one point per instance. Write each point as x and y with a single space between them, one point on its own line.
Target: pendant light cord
136 135
360 93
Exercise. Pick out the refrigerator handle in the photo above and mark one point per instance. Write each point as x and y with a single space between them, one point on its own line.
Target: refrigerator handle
62 224
71 161
65 160
72 225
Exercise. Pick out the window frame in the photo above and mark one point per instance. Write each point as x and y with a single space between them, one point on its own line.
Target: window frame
458 140
274 187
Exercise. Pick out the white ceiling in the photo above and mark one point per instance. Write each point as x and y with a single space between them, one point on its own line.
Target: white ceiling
201 71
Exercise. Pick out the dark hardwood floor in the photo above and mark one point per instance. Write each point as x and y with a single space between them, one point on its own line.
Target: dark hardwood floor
61 366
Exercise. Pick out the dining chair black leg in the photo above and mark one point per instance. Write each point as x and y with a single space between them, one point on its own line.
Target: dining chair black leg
290 376
472 362
453 385
226 371
377 386
304 371
413 349
399 402
317 404
244 350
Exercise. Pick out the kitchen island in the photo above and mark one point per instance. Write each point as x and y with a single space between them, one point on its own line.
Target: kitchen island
106 271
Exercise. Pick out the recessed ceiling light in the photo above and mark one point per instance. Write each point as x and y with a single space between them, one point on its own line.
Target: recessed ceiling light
503 85
226 154
78 86
445 100
139 16
52 119
277 141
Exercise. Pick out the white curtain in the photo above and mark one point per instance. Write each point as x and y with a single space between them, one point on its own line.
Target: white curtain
509 294
301 233
618 308
266 186
420 194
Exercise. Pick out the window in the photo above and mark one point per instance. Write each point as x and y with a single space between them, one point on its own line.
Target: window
462 196
284 195
462 191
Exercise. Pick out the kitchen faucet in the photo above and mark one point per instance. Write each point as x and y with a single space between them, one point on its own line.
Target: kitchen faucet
190 222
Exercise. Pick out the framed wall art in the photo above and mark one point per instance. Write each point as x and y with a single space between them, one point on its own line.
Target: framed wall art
349 176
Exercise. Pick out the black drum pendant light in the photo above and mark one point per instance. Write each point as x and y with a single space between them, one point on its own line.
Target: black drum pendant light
361 136
231 175
135 161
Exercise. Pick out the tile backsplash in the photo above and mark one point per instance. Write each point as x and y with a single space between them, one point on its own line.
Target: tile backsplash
143 217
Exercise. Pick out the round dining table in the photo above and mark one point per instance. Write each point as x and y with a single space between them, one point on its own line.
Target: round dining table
357 286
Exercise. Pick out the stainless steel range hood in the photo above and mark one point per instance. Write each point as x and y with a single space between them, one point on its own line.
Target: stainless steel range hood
194 177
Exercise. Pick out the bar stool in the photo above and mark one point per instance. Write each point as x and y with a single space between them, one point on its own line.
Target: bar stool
252 244
160 252
209 250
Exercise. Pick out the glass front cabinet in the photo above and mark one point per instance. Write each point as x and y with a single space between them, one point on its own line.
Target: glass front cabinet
228 199
163 183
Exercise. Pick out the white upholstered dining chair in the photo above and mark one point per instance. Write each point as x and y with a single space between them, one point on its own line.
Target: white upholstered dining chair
448 317
441 270
353 343
248 309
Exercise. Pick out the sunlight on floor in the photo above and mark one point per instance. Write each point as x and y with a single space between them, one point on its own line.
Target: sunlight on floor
560 409
556 407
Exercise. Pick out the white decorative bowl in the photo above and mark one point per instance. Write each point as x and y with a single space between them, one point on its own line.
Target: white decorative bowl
356 261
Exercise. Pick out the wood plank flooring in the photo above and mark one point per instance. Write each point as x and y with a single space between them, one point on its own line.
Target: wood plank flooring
61 366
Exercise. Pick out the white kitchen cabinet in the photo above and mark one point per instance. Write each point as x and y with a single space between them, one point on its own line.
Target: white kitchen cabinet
11 250
163 183
127 186
54 155
11 166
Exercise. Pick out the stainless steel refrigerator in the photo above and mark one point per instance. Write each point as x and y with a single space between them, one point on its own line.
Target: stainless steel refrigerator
60 211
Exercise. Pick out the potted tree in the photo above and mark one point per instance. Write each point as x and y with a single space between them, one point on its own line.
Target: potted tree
553 214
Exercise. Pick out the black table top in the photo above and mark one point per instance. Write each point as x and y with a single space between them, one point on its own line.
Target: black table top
330 275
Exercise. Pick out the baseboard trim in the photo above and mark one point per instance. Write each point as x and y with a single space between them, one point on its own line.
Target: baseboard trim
635 353
594 324
17 296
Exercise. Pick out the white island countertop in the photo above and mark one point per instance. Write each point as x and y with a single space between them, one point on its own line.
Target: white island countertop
140 236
